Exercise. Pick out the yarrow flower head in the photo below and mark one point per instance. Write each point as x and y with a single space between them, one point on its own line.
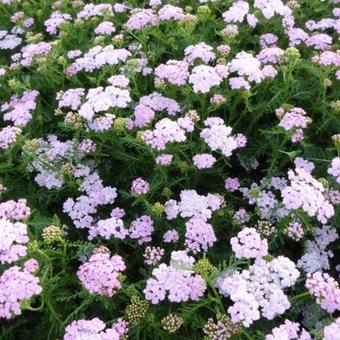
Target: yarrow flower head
288 330
331 331
13 241
95 329
15 210
248 244
153 255
177 280
204 77
293 121
199 235
204 161
334 169
232 184
218 136
171 236
191 204
172 323
295 231
16 286
325 289
306 193
259 290
141 229
222 329
99 275
140 186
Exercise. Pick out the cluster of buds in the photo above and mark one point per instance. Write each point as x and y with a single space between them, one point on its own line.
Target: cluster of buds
336 140
101 250
295 231
223 49
217 99
119 124
51 234
204 267
137 309
73 120
230 31
183 166
153 255
193 115
171 323
335 105
68 169
291 54
265 228
167 192
222 329
158 208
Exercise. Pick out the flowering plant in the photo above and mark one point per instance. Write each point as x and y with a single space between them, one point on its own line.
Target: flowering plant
169 169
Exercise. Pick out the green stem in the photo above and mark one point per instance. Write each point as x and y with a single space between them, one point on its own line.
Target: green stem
301 296
246 334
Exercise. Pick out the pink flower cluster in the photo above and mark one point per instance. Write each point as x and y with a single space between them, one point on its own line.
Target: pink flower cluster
141 229
19 110
306 193
140 186
153 255
289 330
218 136
102 99
204 77
170 12
177 280
48 158
171 236
295 231
204 160
96 58
96 194
231 184
148 106
200 51
141 18
31 52
325 289
13 241
105 28
8 136
92 10
9 41
16 286
248 244
293 121
316 257
14 210
53 23
174 71
191 204
334 169
166 131
95 329
259 290
107 228
99 275
331 332
199 235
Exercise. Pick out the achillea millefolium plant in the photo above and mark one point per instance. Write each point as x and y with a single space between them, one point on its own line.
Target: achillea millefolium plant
169 169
